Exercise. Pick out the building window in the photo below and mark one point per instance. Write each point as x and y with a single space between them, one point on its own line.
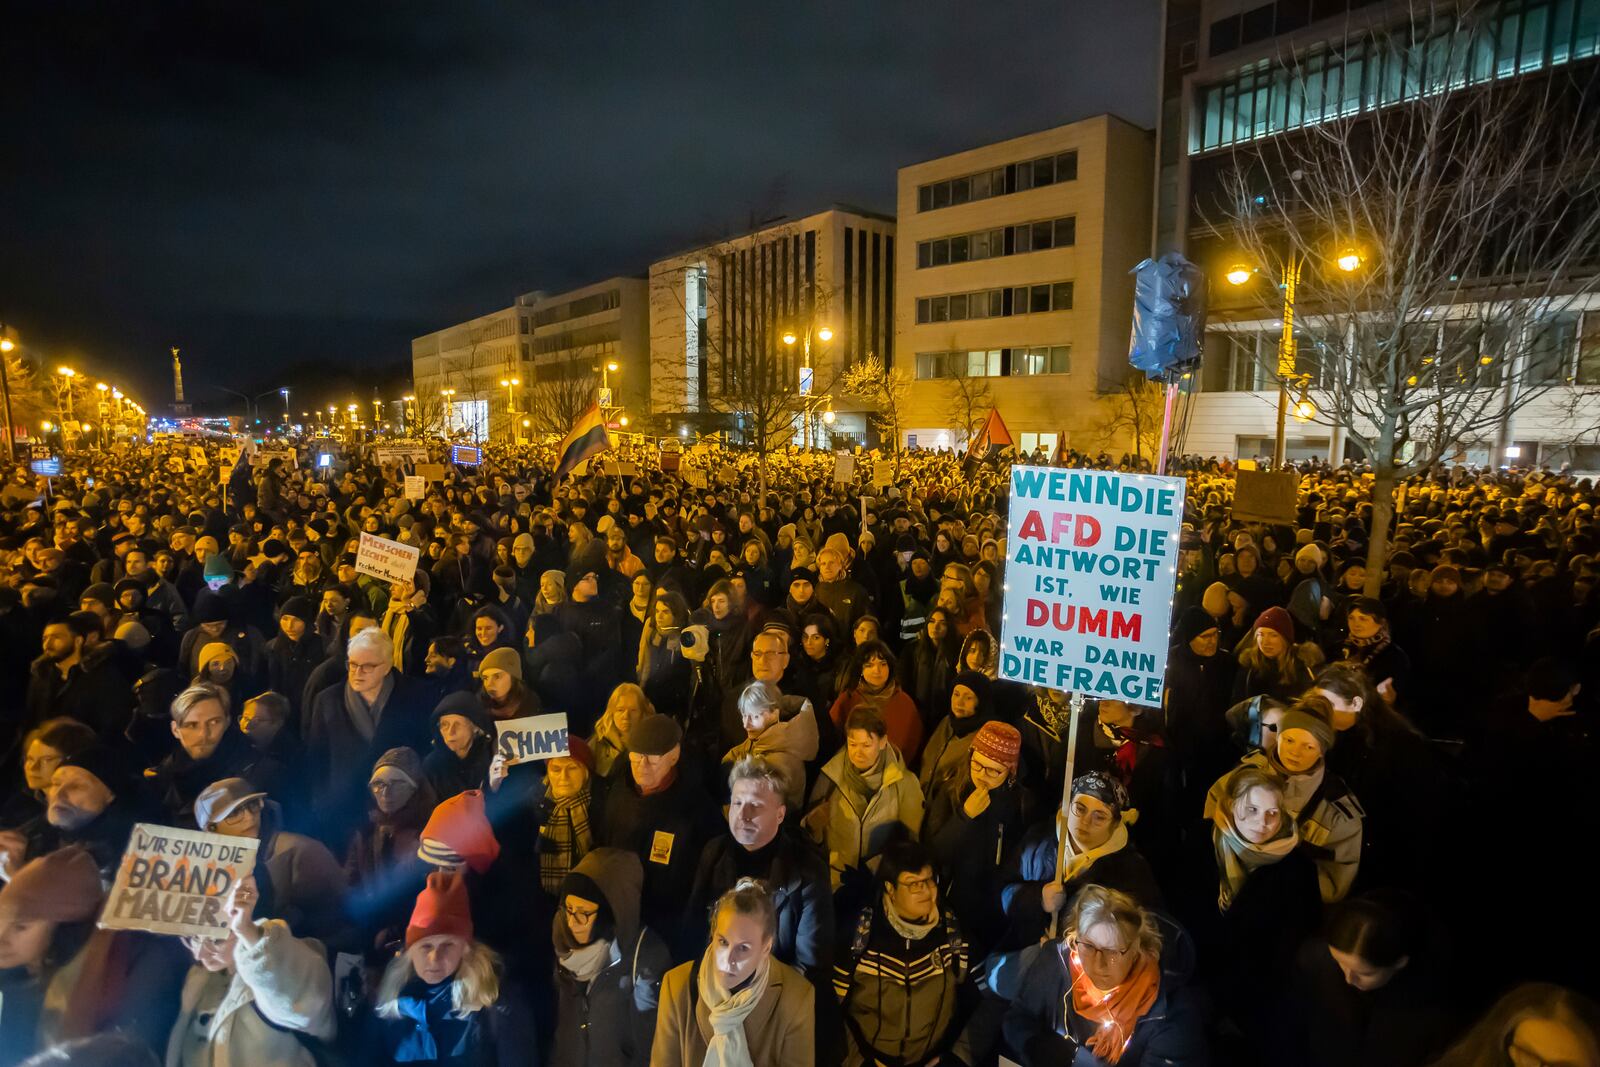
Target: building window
1041 359
999 181
1265 98
986 244
995 303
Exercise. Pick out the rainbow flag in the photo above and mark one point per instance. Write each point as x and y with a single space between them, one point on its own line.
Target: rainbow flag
587 438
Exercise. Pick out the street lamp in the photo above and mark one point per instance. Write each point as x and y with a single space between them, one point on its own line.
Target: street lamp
823 334
1348 261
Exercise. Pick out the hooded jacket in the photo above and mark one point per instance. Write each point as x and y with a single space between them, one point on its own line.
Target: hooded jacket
610 1020
1170 1034
944 756
448 773
253 1016
788 745
854 826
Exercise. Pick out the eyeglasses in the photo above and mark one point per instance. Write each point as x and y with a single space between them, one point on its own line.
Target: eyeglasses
362 668
249 807
387 787
1088 948
1096 818
916 885
581 915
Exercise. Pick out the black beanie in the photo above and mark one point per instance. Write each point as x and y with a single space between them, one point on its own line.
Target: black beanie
108 766
1192 622
300 607
209 607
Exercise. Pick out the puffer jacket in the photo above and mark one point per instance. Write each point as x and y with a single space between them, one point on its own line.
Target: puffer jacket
611 1020
1330 825
279 993
1170 1034
788 745
853 826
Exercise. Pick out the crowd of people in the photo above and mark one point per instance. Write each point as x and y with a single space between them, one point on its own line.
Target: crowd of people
799 817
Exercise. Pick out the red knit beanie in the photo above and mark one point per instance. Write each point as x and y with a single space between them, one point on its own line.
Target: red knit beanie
1279 621
442 908
1000 742
459 831
578 749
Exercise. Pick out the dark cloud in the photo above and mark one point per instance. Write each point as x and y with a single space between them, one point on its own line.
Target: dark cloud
266 184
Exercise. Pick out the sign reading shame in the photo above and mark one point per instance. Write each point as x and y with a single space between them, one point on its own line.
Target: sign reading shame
1091 562
173 881
535 737
387 560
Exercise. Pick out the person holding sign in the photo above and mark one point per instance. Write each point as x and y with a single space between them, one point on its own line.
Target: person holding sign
61 978
254 996
463 746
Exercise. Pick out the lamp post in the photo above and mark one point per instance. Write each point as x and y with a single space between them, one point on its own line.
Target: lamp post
67 375
6 345
823 334
449 410
510 386
407 414
285 393
1348 261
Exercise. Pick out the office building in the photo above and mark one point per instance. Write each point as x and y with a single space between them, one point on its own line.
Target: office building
1012 286
803 297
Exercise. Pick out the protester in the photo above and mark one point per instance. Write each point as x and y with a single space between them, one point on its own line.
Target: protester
864 799
736 1005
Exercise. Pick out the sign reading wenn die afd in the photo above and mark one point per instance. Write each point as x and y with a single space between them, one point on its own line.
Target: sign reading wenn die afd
1091 563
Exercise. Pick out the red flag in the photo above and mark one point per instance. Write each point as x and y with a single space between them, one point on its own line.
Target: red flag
991 436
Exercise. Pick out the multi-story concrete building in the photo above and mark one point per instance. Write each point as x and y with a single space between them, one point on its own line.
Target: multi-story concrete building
531 368
1012 286
803 298
1243 73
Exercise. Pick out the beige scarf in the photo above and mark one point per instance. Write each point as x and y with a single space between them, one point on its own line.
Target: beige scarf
1236 857
728 1047
1075 862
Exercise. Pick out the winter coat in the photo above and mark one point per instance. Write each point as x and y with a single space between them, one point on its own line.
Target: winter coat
254 1016
1034 864
780 1031
899 712
93 692
1329 825
610 1021
307 883
926 668
969 854
179 778
289 665
788 745
667 830
854 827
1170 1034
802 897
501 1035
899 995
334 747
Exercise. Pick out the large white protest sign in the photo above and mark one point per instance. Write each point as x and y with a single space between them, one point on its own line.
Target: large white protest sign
388 560
1091 560
535 737
416 487
173 881
413 453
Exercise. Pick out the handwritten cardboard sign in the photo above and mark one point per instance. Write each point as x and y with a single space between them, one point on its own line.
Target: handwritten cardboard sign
882 473
533 738
1266 496
431 472
1091 559
387 560
173 881
416 487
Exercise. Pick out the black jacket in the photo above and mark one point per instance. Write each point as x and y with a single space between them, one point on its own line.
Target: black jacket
93 691
668 830
802 897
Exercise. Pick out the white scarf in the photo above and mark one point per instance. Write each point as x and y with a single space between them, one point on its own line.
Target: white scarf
728 1047
586 961
907 929
1078 862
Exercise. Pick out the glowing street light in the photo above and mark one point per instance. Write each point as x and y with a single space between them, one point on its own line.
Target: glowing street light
6 344
1238 274
1349 260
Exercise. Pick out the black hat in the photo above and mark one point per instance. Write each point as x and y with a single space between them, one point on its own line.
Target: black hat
300 607
108 766
209 607
803 574
469 707
100 592
655 735
1192 622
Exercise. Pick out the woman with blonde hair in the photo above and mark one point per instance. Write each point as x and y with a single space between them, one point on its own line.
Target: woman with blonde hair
1111 990
1537 1024
441 1000
736 1006
626 706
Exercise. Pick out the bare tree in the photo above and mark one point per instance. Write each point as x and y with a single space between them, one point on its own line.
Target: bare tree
970 398
557 399
1132 410
1432 246
884 389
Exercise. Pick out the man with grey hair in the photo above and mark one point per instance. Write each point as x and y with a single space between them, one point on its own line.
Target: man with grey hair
210 747
759 845
349 724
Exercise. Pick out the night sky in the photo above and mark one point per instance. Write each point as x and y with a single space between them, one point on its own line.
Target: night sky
273 184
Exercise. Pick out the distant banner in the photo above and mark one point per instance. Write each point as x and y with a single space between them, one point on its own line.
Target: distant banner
263 456
465 455
1266 496
1090 568
536 737
173 881
399 453
388 560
